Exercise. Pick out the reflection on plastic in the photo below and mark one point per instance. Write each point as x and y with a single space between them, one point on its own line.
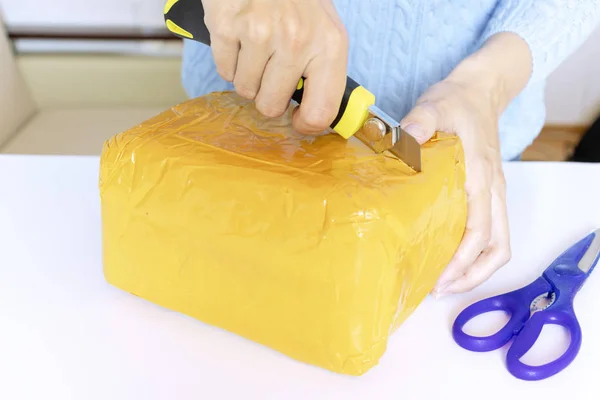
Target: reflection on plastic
313 246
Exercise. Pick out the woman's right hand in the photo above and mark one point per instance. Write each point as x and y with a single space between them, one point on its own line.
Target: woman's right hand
265 46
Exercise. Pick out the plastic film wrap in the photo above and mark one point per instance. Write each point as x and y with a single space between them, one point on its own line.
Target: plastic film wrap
313 246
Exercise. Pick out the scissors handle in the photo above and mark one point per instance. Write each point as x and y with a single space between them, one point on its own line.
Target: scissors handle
560 314
523 327
511 303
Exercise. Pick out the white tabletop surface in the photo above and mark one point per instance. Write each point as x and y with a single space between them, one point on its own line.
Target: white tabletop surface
66 334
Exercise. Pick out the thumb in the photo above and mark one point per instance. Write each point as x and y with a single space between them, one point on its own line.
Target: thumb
421 122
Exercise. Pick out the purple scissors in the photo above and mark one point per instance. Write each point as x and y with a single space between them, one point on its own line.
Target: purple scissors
547 300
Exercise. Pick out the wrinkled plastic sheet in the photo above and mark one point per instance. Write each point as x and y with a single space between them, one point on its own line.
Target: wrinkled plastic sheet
313 246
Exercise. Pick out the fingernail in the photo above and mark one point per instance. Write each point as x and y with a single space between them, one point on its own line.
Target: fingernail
441 289
415 130
443 285
438 295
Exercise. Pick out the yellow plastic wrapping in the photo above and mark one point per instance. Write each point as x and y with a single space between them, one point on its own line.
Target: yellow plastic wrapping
315 247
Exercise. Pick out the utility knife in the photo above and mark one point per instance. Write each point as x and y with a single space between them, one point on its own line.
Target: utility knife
358 115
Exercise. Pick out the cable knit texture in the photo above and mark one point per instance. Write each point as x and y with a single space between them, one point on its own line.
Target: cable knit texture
398 48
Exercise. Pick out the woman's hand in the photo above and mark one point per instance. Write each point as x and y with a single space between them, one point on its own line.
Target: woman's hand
455 107
265 46
469 103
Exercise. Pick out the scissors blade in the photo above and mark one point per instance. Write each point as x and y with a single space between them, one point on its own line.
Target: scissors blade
590 257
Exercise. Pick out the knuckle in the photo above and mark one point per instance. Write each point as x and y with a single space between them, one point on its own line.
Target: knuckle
443 107
504 254
226 73
317 119
500 179
461 259
468 285
484 237
429 110
336 38
424 113
488 160
259 32
297 37
245 91
223 33
269 109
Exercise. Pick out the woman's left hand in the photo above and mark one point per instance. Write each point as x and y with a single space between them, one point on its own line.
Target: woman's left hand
458 106
469 103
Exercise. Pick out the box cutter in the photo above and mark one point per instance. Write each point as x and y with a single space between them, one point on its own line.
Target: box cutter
358 115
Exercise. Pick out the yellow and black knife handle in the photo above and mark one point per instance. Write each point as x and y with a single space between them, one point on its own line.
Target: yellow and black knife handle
185 18
353 111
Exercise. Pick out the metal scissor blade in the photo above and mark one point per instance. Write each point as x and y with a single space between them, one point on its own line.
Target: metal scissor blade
590 257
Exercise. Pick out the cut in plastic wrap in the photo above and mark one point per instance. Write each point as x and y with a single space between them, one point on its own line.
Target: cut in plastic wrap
313 246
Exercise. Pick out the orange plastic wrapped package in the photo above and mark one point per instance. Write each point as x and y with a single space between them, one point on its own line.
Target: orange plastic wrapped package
314 246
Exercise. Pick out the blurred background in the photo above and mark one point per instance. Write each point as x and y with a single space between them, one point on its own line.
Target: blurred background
114 63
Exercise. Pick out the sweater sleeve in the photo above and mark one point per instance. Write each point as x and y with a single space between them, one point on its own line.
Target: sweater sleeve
553 29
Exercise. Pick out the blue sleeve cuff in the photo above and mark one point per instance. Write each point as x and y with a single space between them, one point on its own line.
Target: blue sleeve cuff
553 29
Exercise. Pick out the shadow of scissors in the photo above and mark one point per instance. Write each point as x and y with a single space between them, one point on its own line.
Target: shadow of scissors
557 288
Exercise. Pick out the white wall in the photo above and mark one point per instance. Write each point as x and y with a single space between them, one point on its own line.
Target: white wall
50 14
573 92
125 13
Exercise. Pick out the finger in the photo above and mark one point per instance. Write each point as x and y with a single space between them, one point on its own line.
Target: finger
252 59
323 91
490 261
475 239
225 48
472 245
279 82
498 252
421 122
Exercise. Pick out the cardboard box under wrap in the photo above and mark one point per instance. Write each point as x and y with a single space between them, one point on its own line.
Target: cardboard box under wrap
315 247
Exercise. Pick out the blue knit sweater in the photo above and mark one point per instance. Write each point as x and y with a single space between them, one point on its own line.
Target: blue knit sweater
398 48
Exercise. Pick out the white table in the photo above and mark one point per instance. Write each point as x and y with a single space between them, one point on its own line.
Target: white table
66 334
